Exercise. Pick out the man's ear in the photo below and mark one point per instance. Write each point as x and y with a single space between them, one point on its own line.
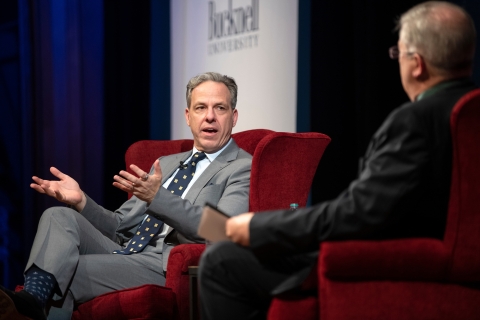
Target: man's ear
187 116
235 117
419 72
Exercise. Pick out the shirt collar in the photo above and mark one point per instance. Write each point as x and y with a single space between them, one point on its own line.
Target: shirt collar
438 87
213 156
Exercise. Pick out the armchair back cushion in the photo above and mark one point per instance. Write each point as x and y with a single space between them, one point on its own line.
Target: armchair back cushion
144 153
283 168
462 234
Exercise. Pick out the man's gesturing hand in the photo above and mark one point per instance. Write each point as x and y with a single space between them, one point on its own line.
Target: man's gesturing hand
143 186
65 190
238 228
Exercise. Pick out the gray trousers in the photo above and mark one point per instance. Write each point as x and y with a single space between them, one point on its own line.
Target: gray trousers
80 257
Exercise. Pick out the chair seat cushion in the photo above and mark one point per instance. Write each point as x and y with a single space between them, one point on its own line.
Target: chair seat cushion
143 302
293 307
414 259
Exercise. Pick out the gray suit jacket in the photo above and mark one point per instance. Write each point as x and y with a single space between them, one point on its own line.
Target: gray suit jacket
225 183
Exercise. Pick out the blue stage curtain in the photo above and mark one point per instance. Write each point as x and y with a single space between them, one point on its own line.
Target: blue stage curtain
51 97
68 91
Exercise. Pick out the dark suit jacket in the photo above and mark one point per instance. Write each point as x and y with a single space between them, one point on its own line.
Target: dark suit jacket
402 189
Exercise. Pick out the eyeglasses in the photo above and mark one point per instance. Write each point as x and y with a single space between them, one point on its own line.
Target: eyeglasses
395 53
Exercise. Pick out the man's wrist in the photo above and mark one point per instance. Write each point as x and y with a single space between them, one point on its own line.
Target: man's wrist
79 207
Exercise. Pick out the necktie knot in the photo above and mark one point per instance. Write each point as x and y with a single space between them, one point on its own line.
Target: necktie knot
196 158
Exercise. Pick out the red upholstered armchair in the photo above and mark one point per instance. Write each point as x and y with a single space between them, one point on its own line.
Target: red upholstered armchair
271 187
408 278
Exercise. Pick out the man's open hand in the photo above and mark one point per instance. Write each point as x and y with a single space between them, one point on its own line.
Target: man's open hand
66 189
143 186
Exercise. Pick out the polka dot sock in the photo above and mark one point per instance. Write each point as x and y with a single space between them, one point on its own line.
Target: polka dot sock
39 284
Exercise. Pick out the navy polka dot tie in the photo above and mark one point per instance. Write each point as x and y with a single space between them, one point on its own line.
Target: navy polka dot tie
151 225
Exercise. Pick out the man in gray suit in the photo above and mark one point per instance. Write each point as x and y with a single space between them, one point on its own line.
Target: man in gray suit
71 259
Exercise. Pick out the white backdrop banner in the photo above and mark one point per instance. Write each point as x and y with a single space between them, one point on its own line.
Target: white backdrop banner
253 41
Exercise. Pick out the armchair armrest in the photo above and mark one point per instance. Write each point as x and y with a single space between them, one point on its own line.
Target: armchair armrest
181 257
403 259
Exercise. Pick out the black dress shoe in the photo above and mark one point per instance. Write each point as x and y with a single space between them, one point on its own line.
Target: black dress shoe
18 305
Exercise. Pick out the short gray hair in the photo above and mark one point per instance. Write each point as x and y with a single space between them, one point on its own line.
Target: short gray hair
442 33
229 82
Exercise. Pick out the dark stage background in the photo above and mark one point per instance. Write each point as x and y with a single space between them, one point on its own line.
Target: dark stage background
80 80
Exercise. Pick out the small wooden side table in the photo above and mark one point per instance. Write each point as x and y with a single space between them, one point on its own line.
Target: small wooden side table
193 293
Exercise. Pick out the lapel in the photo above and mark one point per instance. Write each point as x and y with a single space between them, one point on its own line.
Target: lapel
220 162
